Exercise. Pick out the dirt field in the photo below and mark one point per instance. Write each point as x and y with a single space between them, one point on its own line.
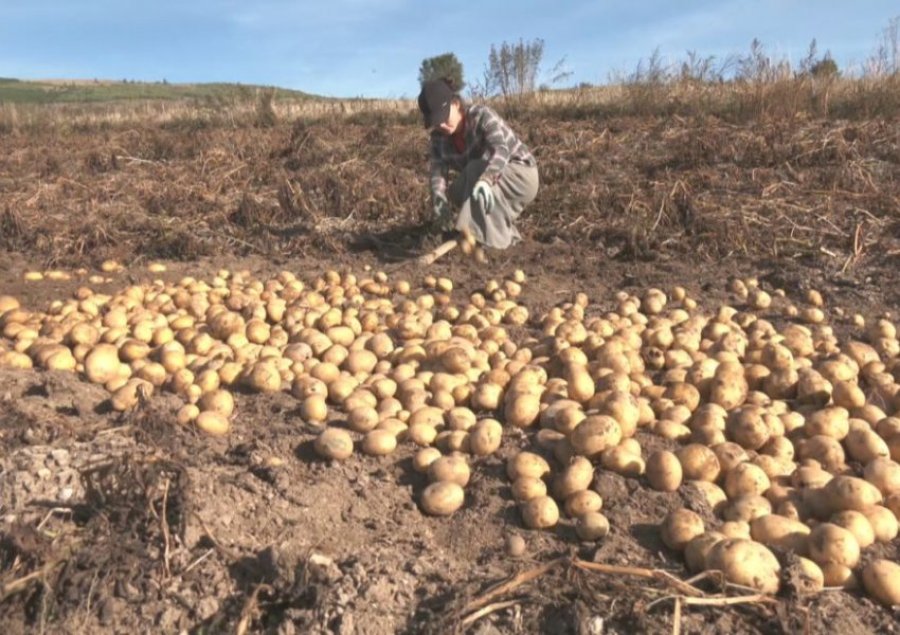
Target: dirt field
125 522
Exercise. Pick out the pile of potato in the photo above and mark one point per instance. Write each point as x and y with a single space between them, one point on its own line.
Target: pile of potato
788 433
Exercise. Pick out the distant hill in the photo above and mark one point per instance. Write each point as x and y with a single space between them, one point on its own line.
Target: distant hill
69 91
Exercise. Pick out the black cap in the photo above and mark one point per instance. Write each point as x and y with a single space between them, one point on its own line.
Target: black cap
434 102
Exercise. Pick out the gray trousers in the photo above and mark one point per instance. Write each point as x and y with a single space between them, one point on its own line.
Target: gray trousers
517 187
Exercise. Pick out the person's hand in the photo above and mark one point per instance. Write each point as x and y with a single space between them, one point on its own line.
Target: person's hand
484 196
441 207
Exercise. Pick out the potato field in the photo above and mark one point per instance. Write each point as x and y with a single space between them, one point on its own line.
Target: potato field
234 400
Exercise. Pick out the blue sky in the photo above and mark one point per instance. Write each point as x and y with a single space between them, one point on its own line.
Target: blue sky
373 48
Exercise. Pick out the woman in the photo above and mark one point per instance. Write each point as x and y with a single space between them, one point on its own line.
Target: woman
498 175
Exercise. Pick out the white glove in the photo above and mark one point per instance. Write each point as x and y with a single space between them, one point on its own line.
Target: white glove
483 194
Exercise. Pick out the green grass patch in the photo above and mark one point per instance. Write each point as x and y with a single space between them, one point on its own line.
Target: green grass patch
38 92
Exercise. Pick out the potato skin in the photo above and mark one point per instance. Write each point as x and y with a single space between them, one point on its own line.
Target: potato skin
595 434
592 526
334 443
526 464
540 512
832 544
664 471
778 531
576 477
212 422
745 562
679 527
881 579
442 498
699 463
849 492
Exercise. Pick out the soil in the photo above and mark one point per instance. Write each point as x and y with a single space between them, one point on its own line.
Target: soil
125 522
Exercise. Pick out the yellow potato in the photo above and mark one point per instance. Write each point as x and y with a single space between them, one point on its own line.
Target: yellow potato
540 512
334 443
679 527
591 526
881 579
777 531
746 563
442 498
664 471
212 423
831 544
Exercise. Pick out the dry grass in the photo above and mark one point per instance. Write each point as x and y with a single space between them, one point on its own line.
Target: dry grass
629 187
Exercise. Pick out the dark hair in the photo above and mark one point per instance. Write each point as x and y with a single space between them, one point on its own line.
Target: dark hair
454 89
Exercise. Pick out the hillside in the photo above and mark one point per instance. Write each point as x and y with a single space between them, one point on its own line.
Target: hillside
70 91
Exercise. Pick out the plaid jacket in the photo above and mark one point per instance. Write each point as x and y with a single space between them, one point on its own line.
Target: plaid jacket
487 137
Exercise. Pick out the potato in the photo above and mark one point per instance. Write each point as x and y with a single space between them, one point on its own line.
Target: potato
728 387
832 422
580 384
735 529
583 502
102 363
824 449
623 460
664 471
442 498
884 522
428 415
453 468
698 463
591 526
485 437
563 415
668 429
809 577
521 409
130 395
746 563
313 409
746 478
540 512
864 445
422 434
730 454
883 473
526 464
424 458
746 427
379 442
334 443
624 408
186 414
831 544
527 487
212 422
777 531
838 575
363 419
697 550
679 527
263 377
595 434
881 579
849 492
780 448
714 495
575 477
746 508
857 524
848 395
812 388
